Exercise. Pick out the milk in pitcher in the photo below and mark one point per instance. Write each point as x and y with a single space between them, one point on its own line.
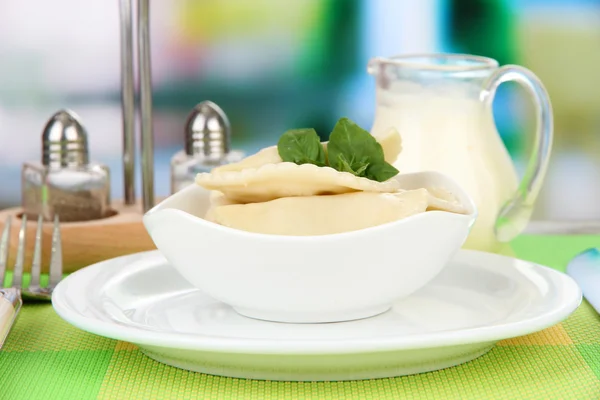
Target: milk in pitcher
441 106
445 130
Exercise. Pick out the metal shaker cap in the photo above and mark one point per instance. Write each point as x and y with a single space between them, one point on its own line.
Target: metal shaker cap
207 131
64 141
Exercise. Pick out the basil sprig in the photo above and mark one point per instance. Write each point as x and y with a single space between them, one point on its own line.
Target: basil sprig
350 149
301 146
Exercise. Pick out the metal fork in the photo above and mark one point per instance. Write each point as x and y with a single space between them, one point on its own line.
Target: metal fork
34 290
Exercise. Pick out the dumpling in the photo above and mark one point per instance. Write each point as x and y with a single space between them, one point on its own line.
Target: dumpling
441 199
264 176
268 155
274 181
390 141
321 215
219 199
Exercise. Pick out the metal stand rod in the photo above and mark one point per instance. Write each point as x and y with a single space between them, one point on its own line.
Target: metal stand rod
146 104
128 101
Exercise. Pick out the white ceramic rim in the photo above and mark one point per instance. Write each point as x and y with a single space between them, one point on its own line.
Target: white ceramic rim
569 289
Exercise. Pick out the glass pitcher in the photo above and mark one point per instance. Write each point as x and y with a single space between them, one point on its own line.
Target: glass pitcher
442 106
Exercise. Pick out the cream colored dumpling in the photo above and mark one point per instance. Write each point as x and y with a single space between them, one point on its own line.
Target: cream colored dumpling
390 141
321 215
217 199
274 181
443 200
268 155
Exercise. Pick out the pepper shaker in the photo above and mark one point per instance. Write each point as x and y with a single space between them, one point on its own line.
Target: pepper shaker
65 183
207 145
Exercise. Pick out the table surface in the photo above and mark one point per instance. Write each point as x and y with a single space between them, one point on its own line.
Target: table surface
44 357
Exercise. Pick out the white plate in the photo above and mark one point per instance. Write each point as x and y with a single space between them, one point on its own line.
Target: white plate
478 299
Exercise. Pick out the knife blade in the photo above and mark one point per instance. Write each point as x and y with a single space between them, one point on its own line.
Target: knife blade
585 270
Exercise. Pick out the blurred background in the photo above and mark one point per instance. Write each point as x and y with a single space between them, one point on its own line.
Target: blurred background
272 65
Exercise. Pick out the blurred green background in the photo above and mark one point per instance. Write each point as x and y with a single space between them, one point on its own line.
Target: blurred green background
272 65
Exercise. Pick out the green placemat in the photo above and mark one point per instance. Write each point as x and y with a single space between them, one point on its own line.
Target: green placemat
45 358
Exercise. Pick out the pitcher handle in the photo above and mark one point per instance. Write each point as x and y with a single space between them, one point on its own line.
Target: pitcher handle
516 212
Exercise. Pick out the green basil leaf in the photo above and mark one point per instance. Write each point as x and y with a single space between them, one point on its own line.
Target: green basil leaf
360 171
381 172
357 168
350 149
357 151
301 146
343 165
354 143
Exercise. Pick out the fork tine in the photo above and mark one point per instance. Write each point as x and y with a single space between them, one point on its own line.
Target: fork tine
56 262
4 244
17 280
36 265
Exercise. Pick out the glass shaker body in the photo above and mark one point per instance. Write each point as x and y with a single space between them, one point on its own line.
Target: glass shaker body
184 167
77 193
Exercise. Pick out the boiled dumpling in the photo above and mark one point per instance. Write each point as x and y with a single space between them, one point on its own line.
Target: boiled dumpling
216 199
443 200
268 155
274 181
390 141
219 199
321 215
264 176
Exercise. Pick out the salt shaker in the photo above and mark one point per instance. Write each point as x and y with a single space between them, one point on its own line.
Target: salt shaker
65 182
207 145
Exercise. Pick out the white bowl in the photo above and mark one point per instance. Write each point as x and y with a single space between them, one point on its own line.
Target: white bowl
309 279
